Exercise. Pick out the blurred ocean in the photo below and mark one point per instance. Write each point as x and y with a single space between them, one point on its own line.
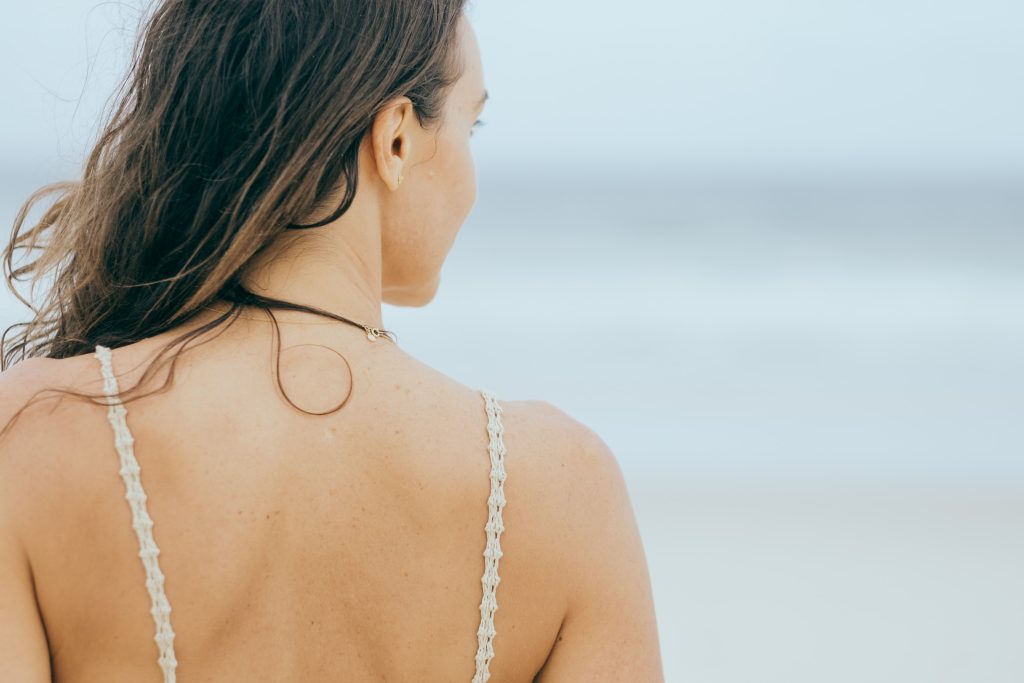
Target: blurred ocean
815 388
751 329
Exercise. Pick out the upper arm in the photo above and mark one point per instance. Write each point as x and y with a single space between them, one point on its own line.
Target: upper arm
609 632
24 654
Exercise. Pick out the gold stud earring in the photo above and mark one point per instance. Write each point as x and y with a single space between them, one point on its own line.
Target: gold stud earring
399 180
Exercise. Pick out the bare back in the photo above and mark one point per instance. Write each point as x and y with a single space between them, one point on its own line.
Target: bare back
294 547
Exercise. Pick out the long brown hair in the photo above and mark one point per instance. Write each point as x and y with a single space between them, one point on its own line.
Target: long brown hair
235 120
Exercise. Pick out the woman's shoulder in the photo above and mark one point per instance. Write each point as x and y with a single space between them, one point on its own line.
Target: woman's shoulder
37 389
50 439
559 437
571 473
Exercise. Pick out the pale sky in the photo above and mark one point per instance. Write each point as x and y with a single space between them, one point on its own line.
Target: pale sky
861 86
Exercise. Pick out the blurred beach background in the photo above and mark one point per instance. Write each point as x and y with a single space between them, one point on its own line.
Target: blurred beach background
773 253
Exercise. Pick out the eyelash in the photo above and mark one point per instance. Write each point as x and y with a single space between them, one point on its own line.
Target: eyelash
477 124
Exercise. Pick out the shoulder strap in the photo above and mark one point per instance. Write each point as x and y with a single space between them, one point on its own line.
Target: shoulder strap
495 525
141 521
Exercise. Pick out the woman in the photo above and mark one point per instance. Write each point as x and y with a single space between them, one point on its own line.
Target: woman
257 483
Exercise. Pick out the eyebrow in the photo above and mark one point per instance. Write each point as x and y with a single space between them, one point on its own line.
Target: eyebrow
483 99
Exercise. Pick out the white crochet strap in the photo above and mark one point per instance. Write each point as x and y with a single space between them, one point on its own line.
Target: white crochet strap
141 521
495 525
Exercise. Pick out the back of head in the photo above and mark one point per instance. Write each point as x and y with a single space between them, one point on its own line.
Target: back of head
236 121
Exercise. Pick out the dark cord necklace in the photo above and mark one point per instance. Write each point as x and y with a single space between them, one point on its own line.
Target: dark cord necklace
372 333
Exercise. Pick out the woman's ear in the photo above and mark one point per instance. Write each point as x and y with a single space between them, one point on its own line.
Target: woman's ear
391 140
